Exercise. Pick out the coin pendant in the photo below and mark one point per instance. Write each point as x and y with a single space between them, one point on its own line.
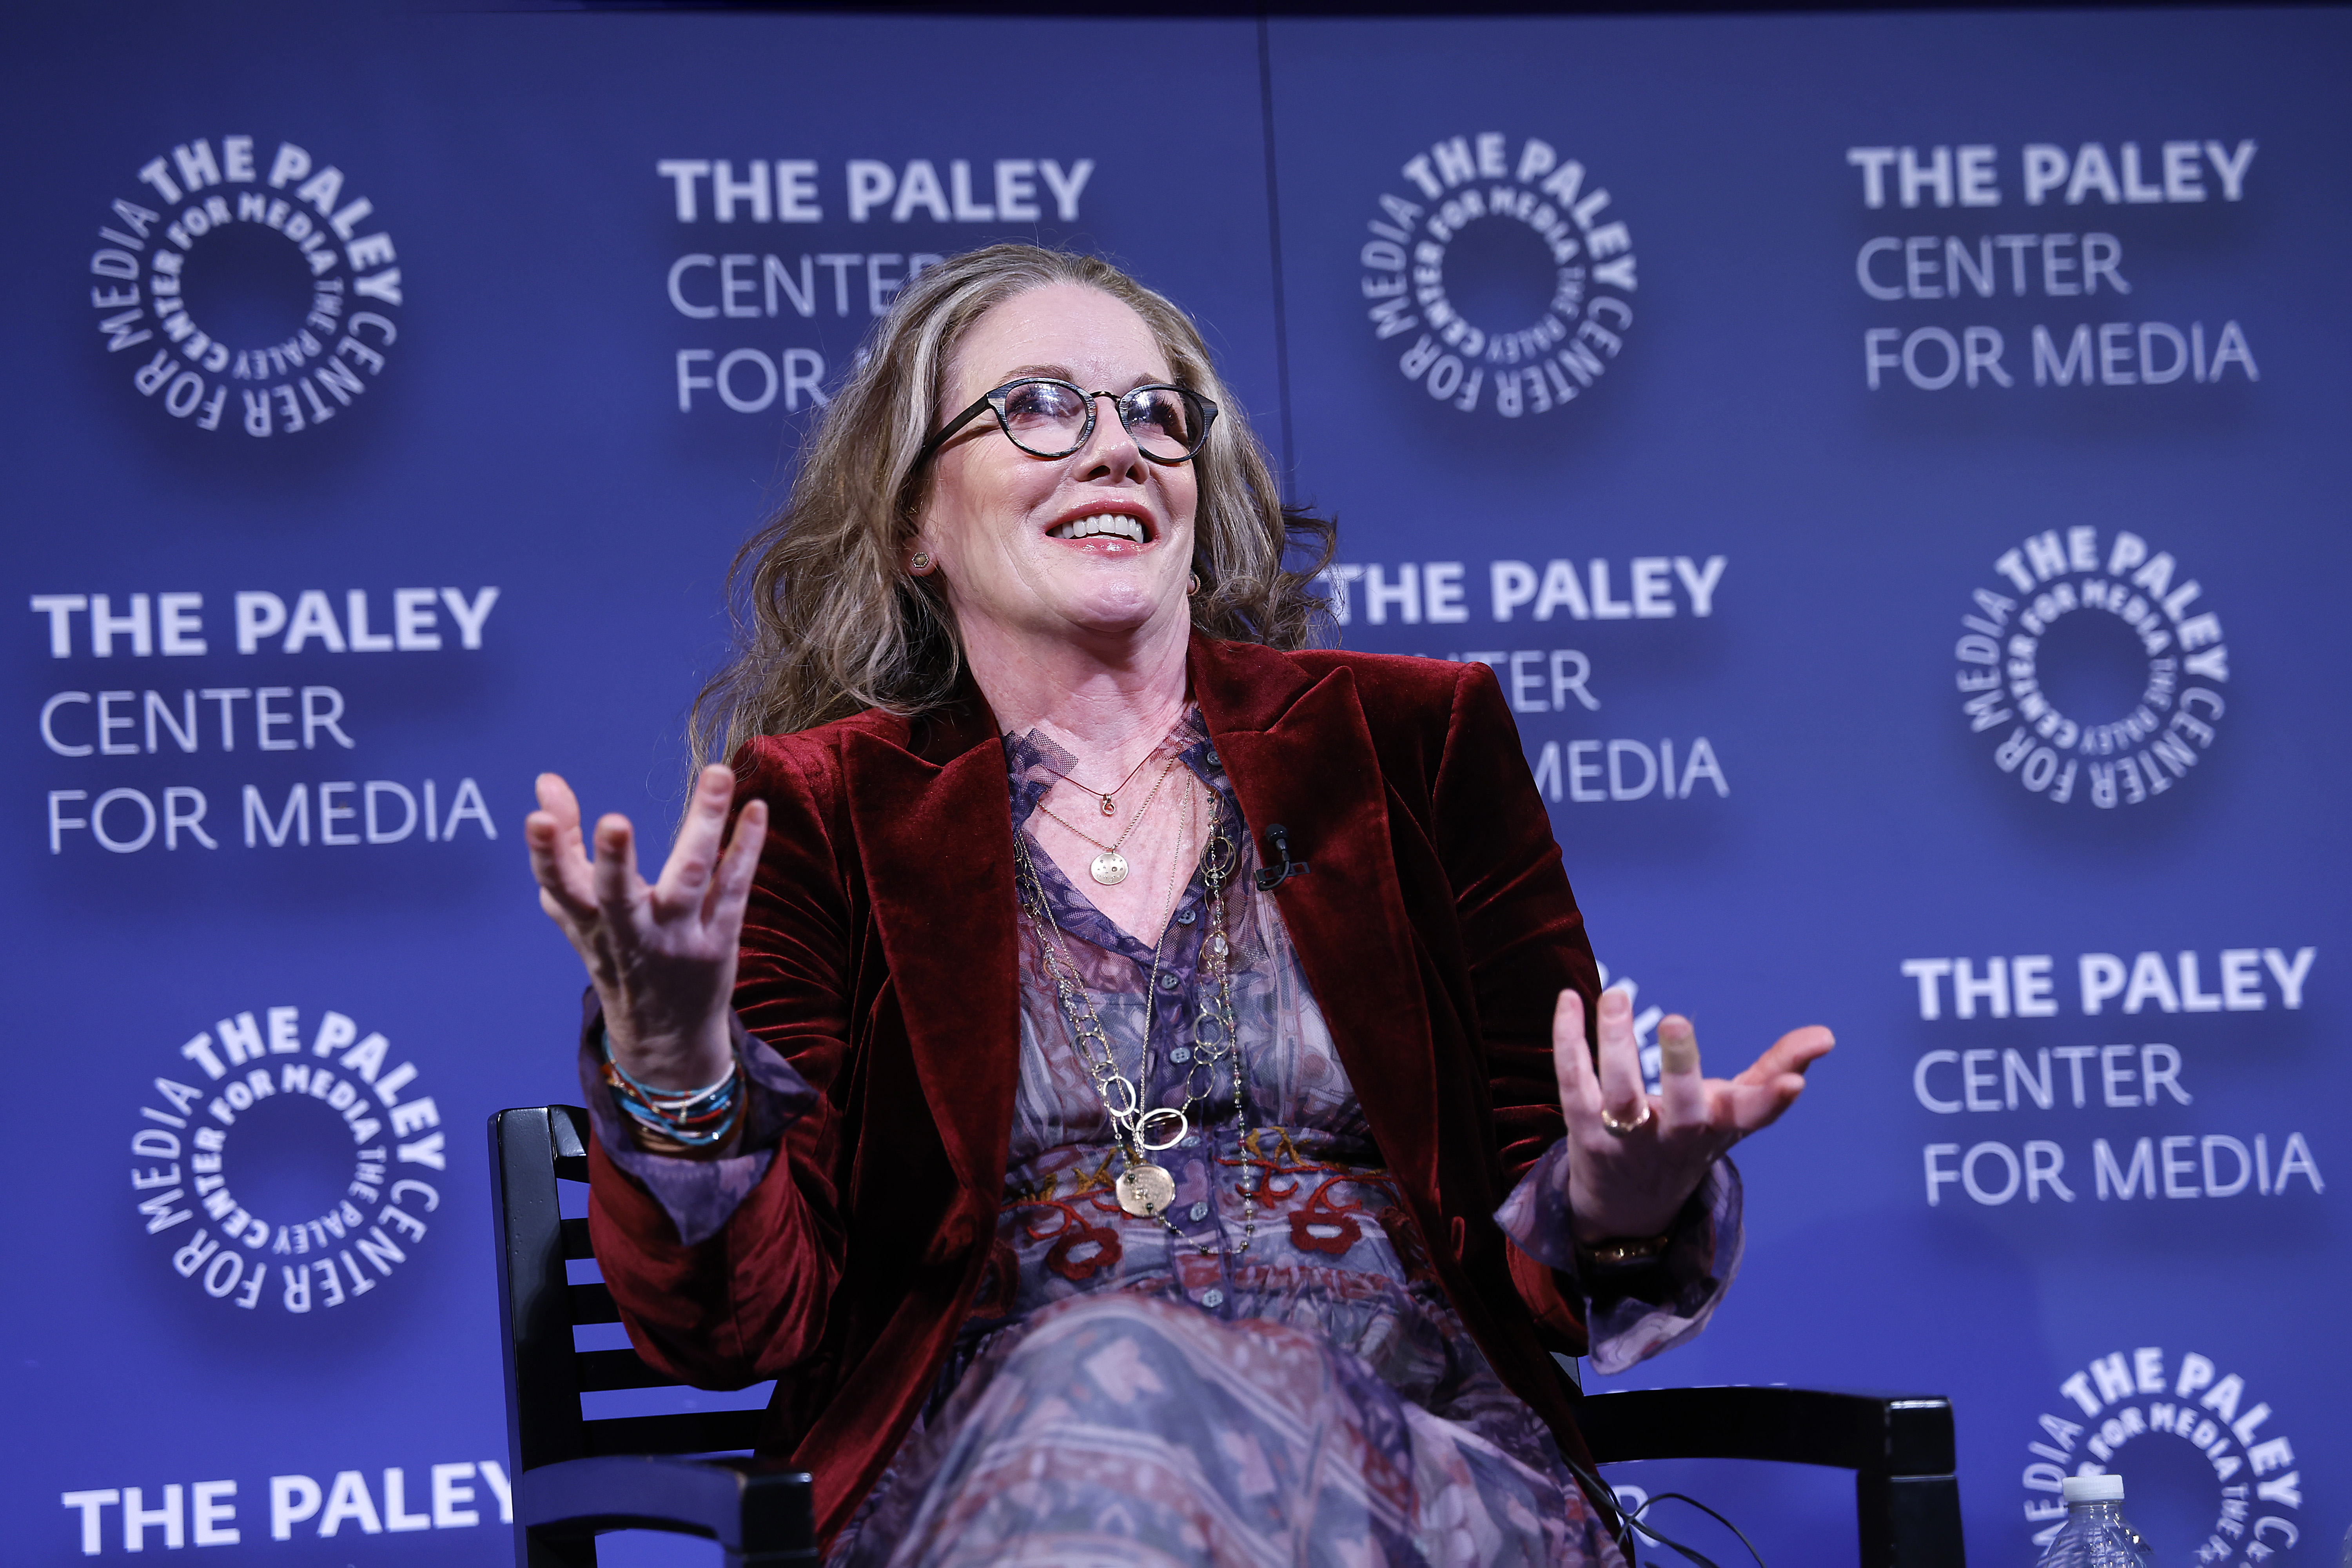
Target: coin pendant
1109 868
1145 1190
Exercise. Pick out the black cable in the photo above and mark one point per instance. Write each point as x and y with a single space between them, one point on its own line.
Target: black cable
1670 1543
1623 1531
1643 1525
1613 1520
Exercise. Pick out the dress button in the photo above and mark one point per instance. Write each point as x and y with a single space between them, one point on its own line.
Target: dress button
1187 916
1214 761
1200 1211
1191 1140
1180 1054
1212 1298
1168 983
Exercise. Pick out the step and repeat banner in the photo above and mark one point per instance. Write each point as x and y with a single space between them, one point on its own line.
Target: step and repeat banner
1894 465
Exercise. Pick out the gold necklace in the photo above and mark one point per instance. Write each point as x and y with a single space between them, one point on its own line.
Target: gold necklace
1109 868
1146 1188
1109 806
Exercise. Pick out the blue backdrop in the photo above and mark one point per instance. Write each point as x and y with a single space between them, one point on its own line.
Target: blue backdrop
1894 463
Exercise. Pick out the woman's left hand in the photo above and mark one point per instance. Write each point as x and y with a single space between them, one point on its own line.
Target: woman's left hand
1633 1183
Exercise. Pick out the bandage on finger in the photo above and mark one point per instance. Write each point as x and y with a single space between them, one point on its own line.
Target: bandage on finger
1677 1047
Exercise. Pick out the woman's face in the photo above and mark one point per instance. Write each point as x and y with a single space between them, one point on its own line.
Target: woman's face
1035 547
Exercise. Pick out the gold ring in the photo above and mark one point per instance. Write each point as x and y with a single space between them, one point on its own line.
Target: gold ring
1628 1126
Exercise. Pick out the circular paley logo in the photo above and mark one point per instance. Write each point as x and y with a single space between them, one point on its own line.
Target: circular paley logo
1503 272
2094 668
291 1174
2209 1478
250 291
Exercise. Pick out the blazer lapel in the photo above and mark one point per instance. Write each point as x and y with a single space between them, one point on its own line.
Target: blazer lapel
1299 753
934 834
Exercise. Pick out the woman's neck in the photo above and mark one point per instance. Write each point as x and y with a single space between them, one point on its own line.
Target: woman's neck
1107 705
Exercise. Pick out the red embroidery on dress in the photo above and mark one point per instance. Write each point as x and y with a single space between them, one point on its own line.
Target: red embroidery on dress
1331 1235
1327 1222
1061 1258
1323 1226
1080 1251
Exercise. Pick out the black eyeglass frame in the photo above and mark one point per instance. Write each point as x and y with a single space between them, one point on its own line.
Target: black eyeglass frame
994 401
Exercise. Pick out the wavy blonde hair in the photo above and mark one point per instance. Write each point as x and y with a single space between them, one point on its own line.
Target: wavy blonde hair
827 622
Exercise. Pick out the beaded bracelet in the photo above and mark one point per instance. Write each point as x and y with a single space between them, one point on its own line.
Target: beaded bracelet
695 1119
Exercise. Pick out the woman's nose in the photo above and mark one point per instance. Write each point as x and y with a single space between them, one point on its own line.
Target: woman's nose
1111 449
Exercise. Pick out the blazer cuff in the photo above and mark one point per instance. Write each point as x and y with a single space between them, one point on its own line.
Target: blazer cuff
1634 1312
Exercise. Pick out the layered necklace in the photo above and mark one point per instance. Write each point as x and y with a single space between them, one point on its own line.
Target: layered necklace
1109 868
1212 1062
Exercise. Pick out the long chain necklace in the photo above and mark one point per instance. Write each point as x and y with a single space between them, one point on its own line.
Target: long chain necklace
1109 868
1145 1188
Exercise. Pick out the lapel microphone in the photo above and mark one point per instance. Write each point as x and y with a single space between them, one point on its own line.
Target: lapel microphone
1278 848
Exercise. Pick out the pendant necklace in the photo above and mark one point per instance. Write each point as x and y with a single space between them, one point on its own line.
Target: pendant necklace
1109 806
1109 868
1145 1188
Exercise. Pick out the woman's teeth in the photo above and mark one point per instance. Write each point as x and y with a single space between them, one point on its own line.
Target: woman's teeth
1115 525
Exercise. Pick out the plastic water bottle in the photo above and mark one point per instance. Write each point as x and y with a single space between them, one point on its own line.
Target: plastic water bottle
2094 1534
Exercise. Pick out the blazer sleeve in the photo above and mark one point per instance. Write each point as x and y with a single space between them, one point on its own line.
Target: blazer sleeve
747 1301
1525 941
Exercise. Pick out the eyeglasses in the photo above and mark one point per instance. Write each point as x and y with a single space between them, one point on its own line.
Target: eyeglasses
1050 419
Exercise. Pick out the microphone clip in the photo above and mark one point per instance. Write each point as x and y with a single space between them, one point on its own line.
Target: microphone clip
1278 845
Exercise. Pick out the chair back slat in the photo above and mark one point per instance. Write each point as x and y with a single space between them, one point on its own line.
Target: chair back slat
702 1432
568 1127
604 1370
592 1304
1866 1434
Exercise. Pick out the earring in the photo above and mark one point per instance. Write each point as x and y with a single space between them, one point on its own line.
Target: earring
919 564
1194 587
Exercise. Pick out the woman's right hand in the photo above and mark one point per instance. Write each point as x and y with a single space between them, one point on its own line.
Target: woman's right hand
662 954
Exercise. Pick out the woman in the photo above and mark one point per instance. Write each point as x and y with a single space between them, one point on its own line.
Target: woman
1103 1172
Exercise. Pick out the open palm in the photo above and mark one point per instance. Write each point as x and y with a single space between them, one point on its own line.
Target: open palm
661 954
1629 1180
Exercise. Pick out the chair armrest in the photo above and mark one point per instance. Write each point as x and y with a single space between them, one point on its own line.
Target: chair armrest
1880 1433
761 1515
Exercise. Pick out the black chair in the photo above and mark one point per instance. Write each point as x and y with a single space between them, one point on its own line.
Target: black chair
576 1478
1899 1446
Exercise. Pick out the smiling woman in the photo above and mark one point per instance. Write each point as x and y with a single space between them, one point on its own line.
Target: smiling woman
836 622
1091 1193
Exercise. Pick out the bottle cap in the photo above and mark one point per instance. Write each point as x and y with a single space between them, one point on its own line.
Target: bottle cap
2094 1488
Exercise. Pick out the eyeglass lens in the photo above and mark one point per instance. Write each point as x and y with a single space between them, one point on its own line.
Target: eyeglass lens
1049 418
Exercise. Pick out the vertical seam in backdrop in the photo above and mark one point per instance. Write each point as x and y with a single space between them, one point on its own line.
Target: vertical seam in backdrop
1274 244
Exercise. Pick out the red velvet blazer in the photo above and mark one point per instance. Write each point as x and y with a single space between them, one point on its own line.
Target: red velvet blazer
1436 928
